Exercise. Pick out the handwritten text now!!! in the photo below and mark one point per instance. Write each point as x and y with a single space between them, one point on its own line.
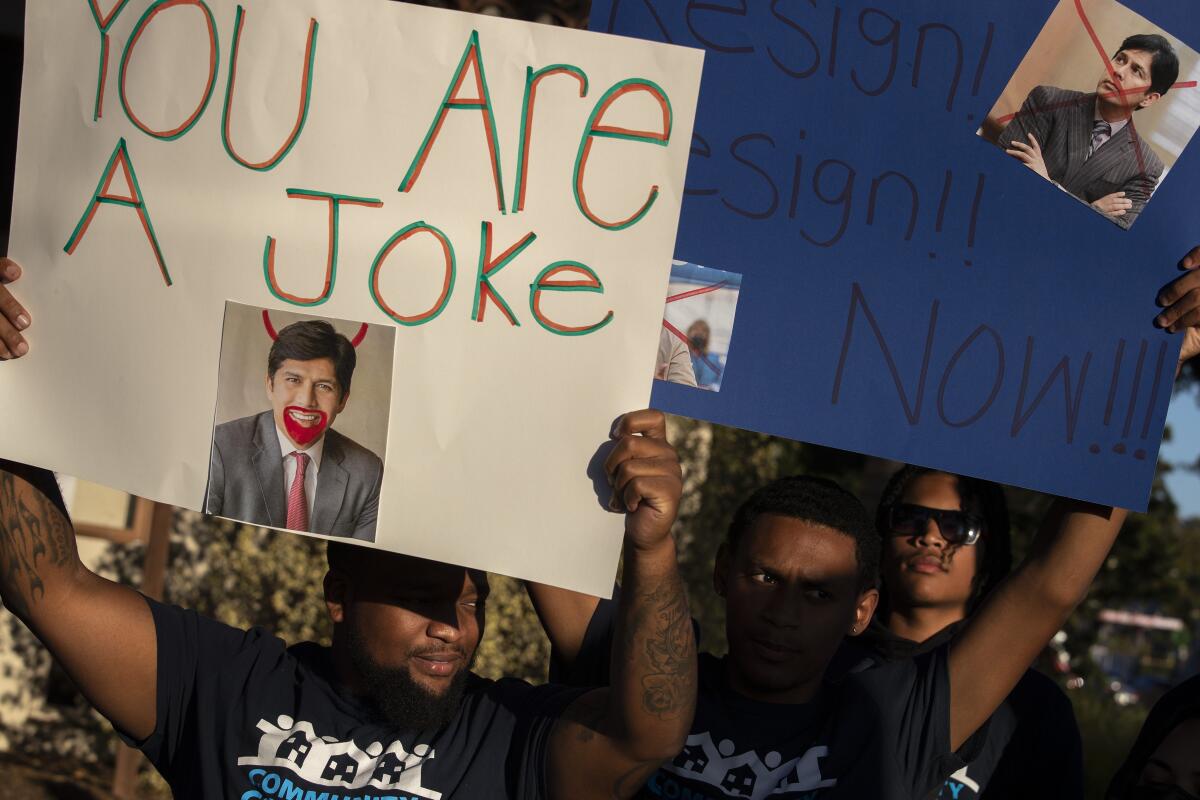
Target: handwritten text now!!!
560 276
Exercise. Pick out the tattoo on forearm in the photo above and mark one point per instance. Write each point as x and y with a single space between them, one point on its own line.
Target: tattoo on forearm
669 680
61 537
30 537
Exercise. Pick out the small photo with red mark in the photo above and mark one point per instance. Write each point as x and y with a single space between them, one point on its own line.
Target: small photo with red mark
1102 105
301 422
693 345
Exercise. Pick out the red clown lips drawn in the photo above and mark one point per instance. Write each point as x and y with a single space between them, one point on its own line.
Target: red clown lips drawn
304 425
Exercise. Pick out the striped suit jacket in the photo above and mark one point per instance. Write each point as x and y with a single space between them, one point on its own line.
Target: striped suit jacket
1061 120
245 480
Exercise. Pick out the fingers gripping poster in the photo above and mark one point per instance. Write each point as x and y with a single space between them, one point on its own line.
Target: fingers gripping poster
366 270
946 223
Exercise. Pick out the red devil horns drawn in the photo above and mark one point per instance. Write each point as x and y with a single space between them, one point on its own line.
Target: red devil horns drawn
355 342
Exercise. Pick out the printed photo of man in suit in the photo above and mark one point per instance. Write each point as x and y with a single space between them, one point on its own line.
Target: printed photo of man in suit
285 467
1087 142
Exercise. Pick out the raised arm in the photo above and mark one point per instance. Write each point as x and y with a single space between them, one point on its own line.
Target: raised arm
564 615
611 740
100 632
1022 614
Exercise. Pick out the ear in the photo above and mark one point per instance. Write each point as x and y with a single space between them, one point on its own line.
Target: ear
270 386
342 405
1149 100
868 601
721 570
335 596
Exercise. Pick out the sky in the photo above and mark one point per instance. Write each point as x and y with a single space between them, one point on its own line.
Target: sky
1184 420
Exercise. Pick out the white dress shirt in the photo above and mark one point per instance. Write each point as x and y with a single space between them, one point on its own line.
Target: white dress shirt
314 451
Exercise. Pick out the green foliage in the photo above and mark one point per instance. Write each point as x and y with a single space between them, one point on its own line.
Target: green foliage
514 644
1189 377
246 576
66 732
1108 731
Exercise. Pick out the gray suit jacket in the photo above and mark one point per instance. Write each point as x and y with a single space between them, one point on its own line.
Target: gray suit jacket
245 480
1061 120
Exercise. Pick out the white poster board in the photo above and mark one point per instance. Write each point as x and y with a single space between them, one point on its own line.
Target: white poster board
500 394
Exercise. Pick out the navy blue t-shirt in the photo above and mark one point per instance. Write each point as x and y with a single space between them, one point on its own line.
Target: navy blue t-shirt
882 733
1030 747
241 715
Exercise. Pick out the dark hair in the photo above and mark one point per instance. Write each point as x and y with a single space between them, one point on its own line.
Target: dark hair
313 339
821 502
356 560
1164 66
979 497
344 557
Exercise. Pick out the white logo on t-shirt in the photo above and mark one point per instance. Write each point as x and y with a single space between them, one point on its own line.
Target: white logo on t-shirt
956 783
745 774
325 761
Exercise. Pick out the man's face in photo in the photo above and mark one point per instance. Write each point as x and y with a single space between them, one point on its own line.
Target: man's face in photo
1127 87
305 399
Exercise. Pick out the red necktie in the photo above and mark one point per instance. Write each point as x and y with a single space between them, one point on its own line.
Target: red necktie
297 510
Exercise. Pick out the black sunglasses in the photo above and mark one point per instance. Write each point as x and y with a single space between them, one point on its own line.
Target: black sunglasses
956 527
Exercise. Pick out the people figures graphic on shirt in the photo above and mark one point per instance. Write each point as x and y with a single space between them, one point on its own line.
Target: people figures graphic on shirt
295 748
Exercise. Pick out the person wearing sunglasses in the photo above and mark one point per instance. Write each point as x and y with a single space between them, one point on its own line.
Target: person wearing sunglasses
945 545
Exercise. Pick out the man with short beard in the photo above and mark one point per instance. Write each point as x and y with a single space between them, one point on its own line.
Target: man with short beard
391 709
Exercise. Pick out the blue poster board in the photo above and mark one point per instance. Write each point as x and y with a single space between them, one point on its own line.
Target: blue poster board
908 289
